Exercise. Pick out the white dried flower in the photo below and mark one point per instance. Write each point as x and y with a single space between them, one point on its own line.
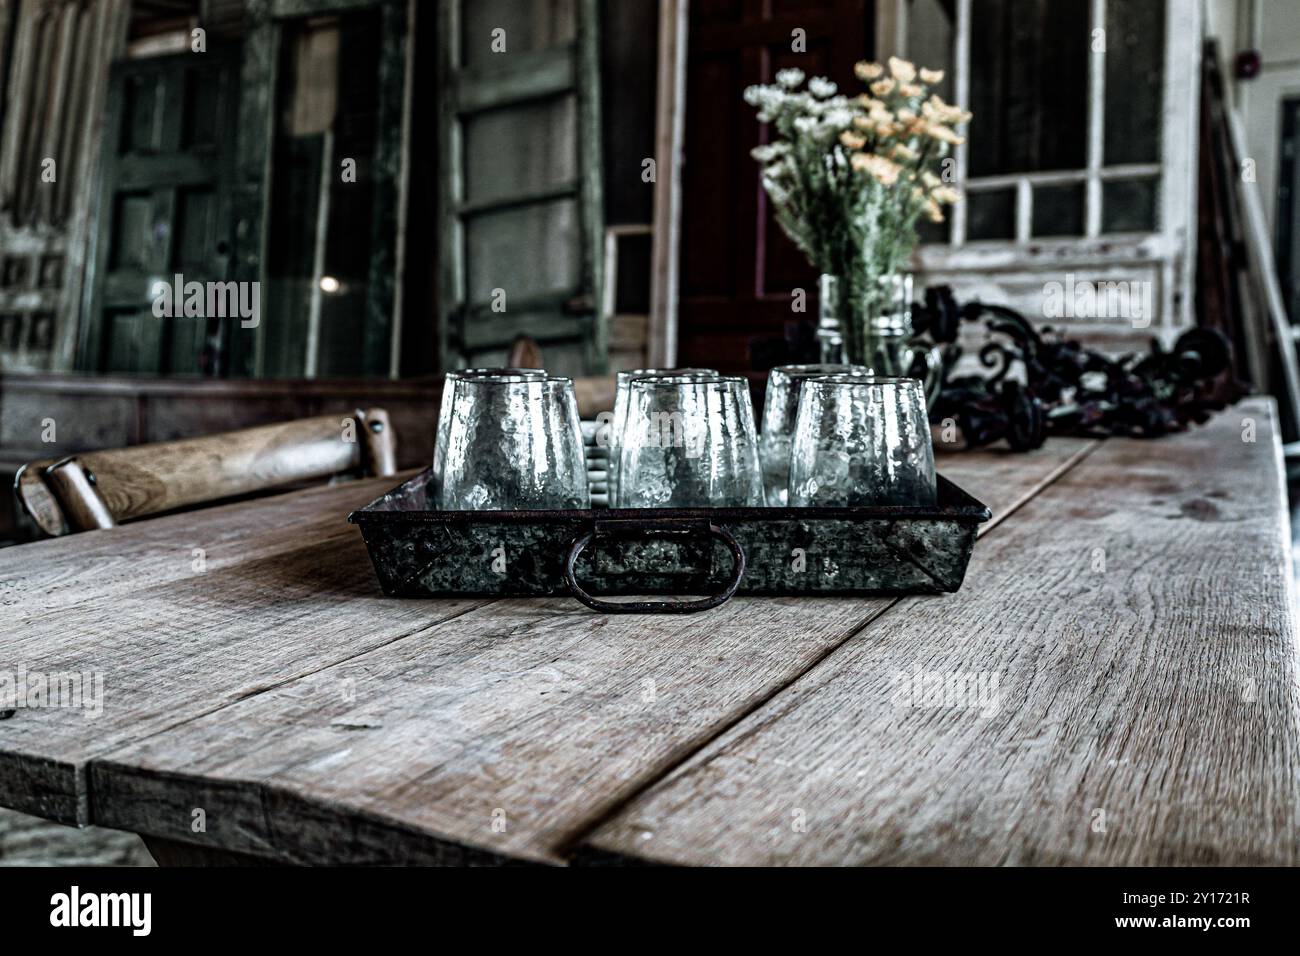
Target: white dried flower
769 151
790 78
822 87
838 118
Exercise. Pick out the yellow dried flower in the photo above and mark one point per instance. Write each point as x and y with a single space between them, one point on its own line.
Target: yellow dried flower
852 140
884 170
943 134
910 89
936 109
903 152
868 71
902 70
882 87
946 195
931 76
932 211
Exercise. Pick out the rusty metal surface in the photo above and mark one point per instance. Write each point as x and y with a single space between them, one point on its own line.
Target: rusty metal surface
421 552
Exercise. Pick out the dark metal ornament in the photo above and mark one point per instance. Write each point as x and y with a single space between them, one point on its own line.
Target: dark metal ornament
1041 383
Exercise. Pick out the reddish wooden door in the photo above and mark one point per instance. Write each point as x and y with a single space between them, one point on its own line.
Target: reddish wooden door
738 269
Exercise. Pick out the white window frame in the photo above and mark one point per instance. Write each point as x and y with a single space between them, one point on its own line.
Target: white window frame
1003 270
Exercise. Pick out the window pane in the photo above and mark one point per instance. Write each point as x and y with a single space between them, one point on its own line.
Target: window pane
1029 85
931 25
934 231
322 227
1058 210
1129 205
991 215
1135 50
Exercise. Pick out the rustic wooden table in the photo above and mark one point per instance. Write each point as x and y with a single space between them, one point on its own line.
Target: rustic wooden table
1127 619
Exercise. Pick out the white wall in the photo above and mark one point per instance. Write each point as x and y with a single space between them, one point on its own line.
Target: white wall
1272 27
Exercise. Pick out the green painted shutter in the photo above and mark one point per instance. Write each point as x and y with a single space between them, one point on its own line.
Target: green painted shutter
520 196
164 210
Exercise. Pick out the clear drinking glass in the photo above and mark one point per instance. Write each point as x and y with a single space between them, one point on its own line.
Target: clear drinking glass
784 383
861 442
449 382
514 444
622 384
689 442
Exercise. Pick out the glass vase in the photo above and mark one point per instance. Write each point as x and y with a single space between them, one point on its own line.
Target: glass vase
876 330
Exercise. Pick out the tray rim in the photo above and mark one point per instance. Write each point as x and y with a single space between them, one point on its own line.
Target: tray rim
965 509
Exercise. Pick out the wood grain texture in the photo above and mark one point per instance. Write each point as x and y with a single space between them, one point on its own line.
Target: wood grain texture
1137 616
273 598
40 578
502 734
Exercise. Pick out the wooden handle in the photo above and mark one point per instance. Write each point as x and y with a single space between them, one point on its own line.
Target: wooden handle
378 442
83 507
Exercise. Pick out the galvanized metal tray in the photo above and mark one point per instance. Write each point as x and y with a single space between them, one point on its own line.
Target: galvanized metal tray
419 551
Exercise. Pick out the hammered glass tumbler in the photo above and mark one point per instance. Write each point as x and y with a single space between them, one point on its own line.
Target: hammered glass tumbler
784 384
622 386
449 382
860 442
514 444
689 442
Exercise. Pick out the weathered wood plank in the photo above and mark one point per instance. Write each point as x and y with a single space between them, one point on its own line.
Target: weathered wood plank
503 734
1137 616
164 651
44 576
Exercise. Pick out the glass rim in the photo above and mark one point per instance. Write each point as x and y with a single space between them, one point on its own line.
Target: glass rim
492 372
661 381
863 381
631 375
497 380
821 368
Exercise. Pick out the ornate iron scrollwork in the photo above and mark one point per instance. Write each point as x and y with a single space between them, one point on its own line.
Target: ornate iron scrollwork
1040 383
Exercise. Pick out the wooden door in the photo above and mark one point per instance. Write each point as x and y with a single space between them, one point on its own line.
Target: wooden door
739 272
519 144
164 210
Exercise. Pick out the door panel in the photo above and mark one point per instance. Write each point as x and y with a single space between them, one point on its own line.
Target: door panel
520 189
493 244
738 269
542 155
529 25
165 193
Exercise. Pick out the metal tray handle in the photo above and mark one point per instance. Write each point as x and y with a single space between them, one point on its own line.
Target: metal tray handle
656 607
